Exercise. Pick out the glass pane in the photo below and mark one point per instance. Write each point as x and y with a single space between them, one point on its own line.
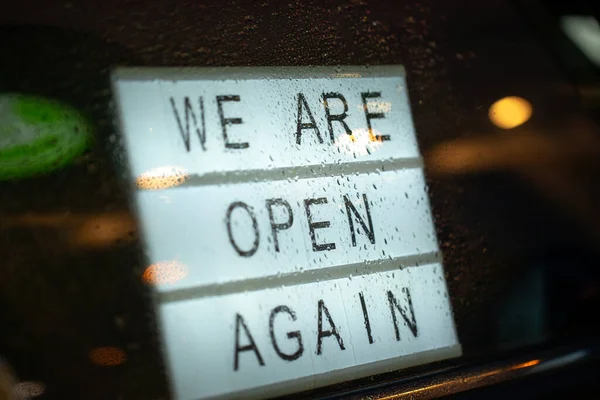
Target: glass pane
504 108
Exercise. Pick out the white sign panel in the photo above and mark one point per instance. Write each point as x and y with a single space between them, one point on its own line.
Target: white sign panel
262 229
260 123
253 339
293 203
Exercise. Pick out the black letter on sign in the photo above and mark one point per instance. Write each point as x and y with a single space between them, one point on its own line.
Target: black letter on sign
247 253
336 117
279 226
369 231
185 134
239 320
312 226
333 332
412 323
291 335
301 125
229 121
366 315
370 116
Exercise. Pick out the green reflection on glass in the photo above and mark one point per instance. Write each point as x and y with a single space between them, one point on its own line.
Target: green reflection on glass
38 135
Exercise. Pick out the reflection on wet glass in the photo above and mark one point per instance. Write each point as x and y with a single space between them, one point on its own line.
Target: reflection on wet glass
104 230
360 143
497 371
165 272
108 356
84 230
29 389
38 135
553 162
584 31
525 364
162 178
510 112
7 381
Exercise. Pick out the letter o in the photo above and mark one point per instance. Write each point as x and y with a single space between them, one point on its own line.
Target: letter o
243 253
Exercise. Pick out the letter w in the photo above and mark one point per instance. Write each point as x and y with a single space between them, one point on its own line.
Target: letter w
185 133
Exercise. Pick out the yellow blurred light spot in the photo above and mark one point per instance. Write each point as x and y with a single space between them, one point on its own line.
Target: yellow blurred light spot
162 178
510 112
360 143
165 272
108 356
30 389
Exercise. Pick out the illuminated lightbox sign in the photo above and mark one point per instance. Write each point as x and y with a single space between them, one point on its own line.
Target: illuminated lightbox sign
286 222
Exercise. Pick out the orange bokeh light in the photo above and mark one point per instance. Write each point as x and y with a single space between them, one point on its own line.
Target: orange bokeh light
108 356
165 272
162 178
510 112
